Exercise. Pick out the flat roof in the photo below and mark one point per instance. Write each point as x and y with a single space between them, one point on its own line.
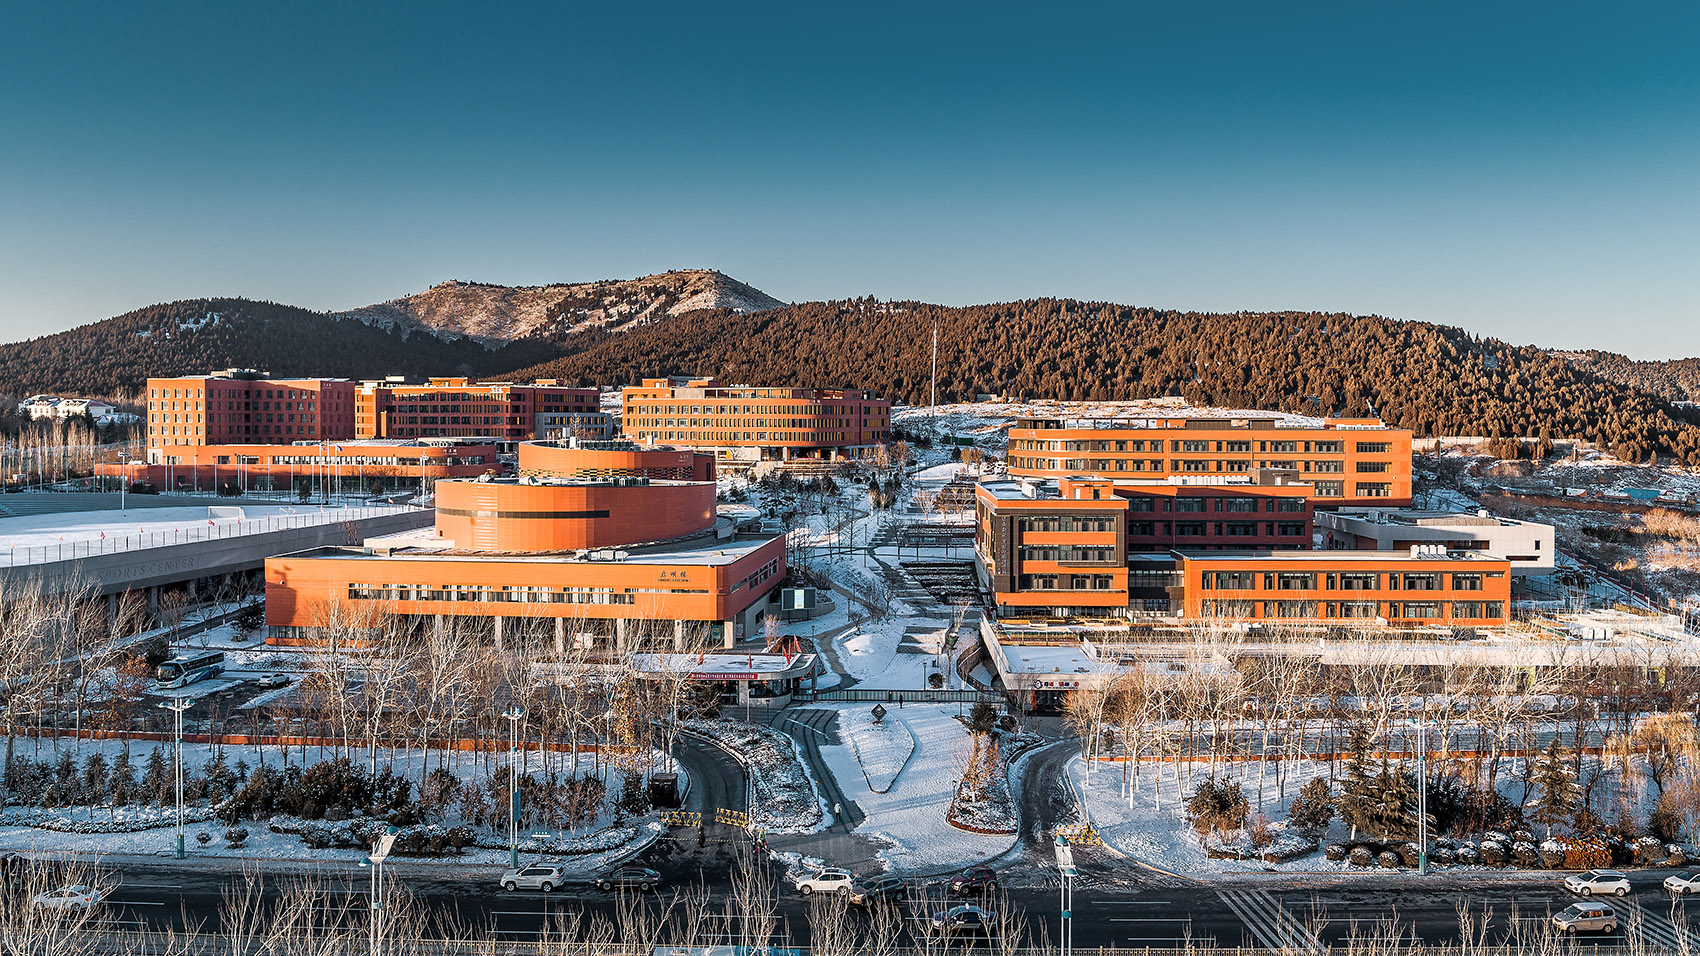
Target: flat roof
1341 555
751 665
706 550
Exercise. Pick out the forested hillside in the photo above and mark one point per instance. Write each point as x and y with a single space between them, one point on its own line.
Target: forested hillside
199 335
1676 380
1433 379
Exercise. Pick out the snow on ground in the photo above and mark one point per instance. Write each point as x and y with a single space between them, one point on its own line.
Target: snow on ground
910 819
1154 830
51 830
882 748
156 526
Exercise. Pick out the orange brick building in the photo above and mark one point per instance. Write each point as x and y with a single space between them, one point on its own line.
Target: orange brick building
611 459
245 407
1076 544
343 467
744 423
622 561
1346 461
459 407
1399 588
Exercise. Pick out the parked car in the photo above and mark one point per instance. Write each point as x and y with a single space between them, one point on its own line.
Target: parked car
885 889
975 879
536 876
1585 918
965 919
1598 883
73 897
640 878
826 881
1682 884
273 680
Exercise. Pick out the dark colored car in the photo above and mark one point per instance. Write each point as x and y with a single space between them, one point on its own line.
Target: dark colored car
640 878
884 889
975 879
967 920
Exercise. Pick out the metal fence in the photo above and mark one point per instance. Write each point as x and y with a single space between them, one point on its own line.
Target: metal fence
214 529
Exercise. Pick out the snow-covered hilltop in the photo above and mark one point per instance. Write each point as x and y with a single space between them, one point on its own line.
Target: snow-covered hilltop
494 314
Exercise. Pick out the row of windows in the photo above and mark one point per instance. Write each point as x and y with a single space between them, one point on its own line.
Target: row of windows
1046 552
806 438
486 594
1066 523
1186 529
1391 610
1343 580
1069 582
1210 466
811 409
1195 445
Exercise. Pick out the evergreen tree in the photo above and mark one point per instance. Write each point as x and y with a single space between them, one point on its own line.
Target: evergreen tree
121 779
1357 791
157 781
1313 808
1559 793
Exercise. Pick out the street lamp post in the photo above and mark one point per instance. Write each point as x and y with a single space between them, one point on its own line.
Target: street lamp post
1422 796
380 852
513 714
177 705
1065 867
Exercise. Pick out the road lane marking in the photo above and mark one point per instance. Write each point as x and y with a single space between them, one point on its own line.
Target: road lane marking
1267 920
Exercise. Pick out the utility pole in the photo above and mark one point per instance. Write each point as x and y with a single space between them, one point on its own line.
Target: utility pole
380 852
1065 905
1422 797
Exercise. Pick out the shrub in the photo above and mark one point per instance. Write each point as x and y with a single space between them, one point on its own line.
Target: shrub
1334 851
1216 807
1388 860
1469 855
1443 855
1493 853
1361 856
236 836
1665 822
1524 854
1312 810
203 838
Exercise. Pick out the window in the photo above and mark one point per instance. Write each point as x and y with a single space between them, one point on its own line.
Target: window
1242 529
1194 446
1467 582
1295 580
1288 529
1422 581
1189 504
1283 446
1373 467
1232 580
1358 609
1189 528
1329 447
1328 467
1329 489
1289 504
1372 489
1295 609
1240 446
1141 503
1420 609
1359 581
1374 447
1239 505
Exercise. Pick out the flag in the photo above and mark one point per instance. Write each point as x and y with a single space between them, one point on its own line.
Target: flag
103 536
339 449
209 521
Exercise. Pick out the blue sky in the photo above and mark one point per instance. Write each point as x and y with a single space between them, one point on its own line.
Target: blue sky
1529 171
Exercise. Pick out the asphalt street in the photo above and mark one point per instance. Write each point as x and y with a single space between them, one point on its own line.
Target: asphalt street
1115 905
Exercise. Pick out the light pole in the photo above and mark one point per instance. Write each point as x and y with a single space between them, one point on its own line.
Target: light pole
1065 867
380 852
513 714
123 477
177 705
1422 795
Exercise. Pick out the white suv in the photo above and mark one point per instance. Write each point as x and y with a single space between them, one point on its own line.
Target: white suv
826 881
1598 883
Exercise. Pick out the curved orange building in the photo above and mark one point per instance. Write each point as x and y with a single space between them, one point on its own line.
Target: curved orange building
609 459
564 514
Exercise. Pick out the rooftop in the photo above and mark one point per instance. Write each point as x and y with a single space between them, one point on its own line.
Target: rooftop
704 550
1416 553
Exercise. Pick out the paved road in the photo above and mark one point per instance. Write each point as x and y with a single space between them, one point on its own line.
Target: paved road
1114 905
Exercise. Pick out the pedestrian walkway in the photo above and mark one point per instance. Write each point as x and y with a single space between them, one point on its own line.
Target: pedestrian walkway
837 844
1269 922
1653 931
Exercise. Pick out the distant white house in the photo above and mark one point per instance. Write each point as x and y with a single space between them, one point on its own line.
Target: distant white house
52 406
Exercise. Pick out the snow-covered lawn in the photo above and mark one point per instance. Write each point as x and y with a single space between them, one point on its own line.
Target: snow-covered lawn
881 748
785 799
910 818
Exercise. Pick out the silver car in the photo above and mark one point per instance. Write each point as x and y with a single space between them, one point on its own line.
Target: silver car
537 876
1598 883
